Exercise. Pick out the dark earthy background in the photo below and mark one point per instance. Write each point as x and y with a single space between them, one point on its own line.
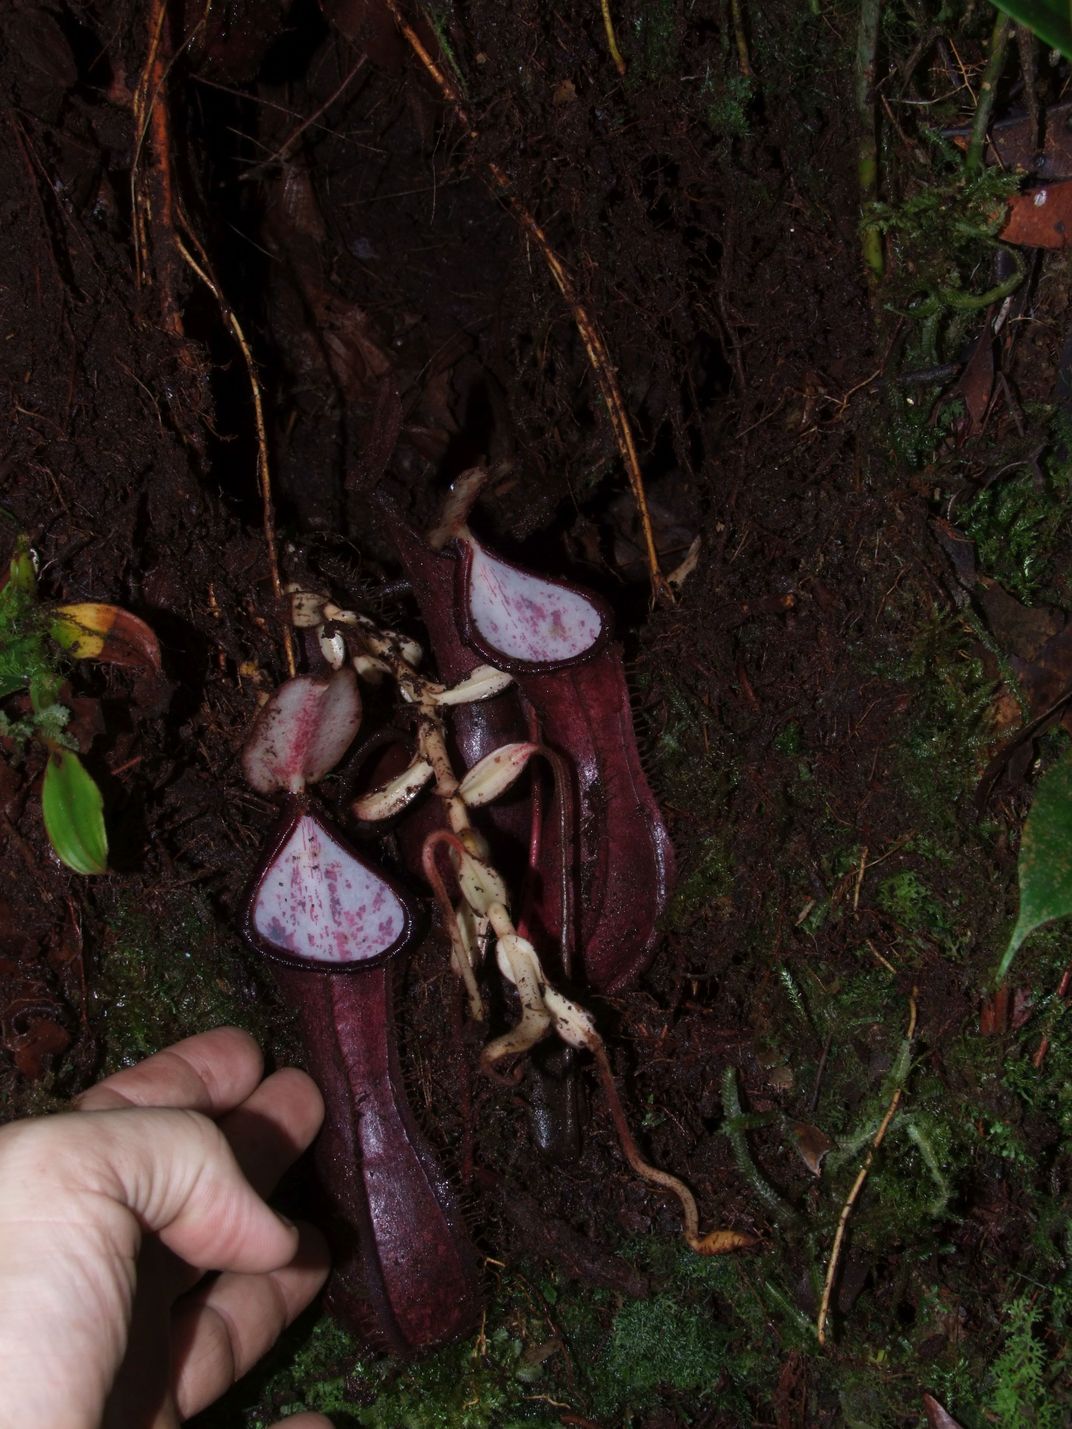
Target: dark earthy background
880 492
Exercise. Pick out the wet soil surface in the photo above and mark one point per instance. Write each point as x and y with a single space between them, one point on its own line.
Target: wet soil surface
815 708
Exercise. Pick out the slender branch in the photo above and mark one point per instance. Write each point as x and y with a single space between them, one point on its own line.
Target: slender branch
858 1184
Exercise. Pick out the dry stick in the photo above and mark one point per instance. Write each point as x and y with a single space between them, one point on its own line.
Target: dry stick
858 1184
612 42
594 345
264 476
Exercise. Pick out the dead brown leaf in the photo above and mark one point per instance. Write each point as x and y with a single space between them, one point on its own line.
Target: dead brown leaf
812 1143
1040 218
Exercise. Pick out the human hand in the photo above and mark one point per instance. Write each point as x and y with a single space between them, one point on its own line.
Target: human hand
110 1215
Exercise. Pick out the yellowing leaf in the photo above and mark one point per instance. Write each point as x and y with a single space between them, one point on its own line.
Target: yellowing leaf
74 814
91 631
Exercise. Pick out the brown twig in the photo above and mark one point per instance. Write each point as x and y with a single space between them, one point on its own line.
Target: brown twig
264 478
858 1184
594 345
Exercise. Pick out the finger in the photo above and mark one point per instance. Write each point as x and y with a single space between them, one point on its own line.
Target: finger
222 1331
157 1169
273 1126
140 1394
210 1073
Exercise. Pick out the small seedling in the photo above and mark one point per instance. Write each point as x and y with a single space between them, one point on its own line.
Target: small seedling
36 641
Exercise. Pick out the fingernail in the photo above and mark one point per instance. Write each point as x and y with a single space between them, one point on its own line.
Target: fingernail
286 1221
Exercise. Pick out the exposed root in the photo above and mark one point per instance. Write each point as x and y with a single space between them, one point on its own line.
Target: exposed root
264 478
594 345
612 39
712 1242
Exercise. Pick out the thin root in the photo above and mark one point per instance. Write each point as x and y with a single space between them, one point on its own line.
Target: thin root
263 467
594 344
612 39
711 1243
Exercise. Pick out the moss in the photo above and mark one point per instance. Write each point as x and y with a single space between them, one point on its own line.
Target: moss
1018 1395
728 104
702 1338
481 1386
692 769
789 740
906 898
167 971
707 876
659 1344
947 731
487 1383
1018 523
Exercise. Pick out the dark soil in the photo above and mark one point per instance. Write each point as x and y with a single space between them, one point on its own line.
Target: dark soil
817 708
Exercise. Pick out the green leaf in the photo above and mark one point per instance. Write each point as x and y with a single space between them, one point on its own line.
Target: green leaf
1051 20
74 814
1045 859
22 650
21 572
45 687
